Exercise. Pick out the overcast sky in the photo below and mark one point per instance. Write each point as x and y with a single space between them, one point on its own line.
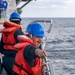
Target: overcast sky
49 8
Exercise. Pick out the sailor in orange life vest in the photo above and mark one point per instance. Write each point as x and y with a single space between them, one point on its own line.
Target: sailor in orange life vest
28 60
9 38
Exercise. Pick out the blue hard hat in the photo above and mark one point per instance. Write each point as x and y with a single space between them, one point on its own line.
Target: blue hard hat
36 29
15 15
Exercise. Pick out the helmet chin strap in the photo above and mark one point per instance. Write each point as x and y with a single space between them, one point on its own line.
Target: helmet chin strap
30 35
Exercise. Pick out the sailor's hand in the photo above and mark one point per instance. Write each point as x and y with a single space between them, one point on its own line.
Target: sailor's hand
40 53
2 55
44 64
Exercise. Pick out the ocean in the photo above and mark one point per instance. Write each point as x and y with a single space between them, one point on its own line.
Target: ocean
60 44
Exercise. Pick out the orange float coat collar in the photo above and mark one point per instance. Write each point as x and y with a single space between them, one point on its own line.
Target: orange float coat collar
8 34
21 62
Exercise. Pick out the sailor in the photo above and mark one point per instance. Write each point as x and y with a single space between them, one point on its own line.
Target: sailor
28 60
9 38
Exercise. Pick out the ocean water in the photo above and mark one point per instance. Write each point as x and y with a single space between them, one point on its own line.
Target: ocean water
60 44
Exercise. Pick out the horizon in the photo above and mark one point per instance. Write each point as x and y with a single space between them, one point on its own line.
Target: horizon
49 8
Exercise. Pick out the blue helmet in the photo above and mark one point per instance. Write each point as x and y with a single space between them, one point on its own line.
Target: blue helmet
36 29
15 15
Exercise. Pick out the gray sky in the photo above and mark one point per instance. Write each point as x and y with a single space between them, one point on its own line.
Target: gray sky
49 8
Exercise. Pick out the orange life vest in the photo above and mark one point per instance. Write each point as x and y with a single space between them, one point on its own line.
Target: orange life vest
21 67
8 34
